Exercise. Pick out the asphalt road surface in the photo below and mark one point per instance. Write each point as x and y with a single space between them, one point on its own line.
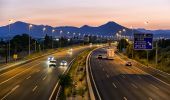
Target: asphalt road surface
115 81
34 80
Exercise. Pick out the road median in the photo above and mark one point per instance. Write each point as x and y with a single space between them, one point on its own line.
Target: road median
78 89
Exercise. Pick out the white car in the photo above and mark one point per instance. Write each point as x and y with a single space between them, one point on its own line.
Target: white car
52 63
50 58
63 63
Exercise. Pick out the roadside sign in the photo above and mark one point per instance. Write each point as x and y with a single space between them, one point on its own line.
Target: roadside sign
15 56
143 41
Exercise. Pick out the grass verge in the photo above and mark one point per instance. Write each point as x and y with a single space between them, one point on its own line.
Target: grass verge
78 90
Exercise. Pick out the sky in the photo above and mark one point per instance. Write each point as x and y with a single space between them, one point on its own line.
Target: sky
88 12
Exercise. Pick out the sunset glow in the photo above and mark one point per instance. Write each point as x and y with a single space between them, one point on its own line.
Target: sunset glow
92 12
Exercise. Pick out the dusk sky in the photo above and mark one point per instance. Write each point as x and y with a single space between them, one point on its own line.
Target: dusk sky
91 12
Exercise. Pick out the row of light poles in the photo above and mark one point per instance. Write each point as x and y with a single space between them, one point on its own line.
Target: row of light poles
30 26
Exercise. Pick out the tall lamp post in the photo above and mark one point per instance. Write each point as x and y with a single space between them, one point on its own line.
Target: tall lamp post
146 23
9 52
124 37
52 39
29 51
120 40
60 38
44 37
132 37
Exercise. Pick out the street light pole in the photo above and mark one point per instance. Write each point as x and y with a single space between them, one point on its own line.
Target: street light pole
29 52
44 37
124 37
146 23
35 46
133 42
156 53
52 38
60 37
9 52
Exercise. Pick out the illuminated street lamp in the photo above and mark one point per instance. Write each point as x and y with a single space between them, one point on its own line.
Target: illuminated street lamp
61 33
57 39
30 26
124 30
146 23
9 52
52 38
44 29
68 40
74 34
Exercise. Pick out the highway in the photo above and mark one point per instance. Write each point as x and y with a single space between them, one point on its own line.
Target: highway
34 80
115 81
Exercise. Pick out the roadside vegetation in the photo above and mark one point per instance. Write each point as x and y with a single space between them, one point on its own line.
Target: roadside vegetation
126 48
19 45
77 89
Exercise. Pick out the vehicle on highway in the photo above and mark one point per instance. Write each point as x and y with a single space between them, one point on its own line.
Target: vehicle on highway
50 58
52 63
63 63
110 54
128 63
100 57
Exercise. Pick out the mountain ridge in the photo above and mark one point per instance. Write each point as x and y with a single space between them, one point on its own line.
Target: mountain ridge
106 29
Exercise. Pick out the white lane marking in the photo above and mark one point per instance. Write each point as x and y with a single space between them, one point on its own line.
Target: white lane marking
107 76
150 98
154 86
149 74
123 76
139 77
134 85
124 98
10 92
162 75
114 85
18 74
28 77
44 78
34 88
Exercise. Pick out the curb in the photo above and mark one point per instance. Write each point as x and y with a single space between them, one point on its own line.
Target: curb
57 86
89 83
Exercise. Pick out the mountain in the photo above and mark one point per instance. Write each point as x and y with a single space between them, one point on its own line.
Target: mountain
157 33
107 29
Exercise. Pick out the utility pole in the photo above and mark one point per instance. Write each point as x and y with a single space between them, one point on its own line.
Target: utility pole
156 53
29 51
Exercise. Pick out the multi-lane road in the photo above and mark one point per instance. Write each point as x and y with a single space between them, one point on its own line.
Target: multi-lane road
115 81
33 80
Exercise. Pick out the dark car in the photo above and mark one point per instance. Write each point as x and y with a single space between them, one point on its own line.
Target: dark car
99 57
128 63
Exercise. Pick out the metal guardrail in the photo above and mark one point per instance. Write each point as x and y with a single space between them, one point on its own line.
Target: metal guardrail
55 94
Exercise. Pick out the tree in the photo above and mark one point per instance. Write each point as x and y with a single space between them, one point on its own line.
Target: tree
123 43
65 81
47 42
